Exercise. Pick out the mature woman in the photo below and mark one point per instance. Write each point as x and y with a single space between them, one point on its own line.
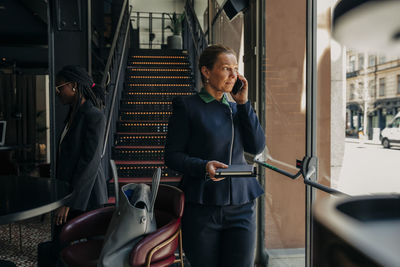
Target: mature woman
207 132
79 153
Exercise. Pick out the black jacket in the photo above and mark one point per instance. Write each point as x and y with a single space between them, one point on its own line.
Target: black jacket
199 132
79 159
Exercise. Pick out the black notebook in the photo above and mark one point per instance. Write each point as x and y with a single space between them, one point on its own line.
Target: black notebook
241 170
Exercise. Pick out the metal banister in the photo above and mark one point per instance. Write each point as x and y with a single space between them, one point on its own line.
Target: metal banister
198 40
116 86
190 14
114 44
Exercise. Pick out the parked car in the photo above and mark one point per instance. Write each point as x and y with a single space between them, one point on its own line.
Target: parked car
390 136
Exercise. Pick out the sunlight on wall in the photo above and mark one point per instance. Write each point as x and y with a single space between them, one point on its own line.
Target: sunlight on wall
303 89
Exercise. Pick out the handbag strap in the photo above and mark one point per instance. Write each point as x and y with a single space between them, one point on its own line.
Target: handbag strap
154 188
116 184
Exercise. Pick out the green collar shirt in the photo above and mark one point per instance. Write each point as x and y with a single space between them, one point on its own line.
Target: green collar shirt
207 98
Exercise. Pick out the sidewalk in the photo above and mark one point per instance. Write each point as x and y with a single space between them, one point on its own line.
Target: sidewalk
356 140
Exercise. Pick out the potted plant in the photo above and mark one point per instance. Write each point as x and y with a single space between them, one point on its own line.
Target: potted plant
175 41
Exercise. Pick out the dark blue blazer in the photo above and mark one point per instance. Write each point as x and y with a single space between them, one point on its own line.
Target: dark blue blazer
79 159
199 132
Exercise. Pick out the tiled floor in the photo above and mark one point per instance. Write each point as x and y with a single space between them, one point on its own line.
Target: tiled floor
286 258
33 232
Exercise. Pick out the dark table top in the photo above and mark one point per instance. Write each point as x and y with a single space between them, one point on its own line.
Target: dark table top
15 147
23 197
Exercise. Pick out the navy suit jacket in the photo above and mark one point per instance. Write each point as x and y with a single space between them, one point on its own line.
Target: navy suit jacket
199 132
79 159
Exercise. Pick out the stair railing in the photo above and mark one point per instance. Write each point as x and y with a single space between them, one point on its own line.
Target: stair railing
112 75
151 36
194 40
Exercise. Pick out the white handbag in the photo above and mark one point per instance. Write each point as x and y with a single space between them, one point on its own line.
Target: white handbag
132 219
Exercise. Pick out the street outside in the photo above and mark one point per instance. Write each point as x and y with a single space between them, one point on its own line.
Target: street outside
368 169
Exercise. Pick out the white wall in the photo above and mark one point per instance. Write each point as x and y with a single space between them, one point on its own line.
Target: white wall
167 6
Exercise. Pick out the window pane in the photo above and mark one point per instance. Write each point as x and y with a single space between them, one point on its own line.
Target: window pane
398 84
360 61
371 60
360 164
382 87
352 91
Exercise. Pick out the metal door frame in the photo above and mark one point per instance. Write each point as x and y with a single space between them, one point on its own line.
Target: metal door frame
311 111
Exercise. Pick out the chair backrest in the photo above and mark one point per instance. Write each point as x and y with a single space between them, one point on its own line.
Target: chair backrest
168 210
170 200
90 224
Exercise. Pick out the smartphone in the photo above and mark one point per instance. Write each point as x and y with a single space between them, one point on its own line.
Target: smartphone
238 85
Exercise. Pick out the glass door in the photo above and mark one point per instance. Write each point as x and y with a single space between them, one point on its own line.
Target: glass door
298 78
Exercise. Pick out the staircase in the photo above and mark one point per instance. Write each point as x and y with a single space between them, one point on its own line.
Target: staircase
153 79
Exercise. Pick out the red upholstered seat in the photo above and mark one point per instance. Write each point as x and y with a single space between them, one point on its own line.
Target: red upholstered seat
84 234
82 254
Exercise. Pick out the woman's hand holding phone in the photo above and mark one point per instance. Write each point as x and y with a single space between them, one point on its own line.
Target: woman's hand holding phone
237 86
240 93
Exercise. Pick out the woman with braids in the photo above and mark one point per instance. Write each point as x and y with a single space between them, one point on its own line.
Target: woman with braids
79 150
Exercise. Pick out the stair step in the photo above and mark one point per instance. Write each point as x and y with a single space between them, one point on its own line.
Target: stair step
133 162
158 64
143 170
111 200
158 71
159 58
155 77
146 105
162 52
163 87
138 154
152 96
130 139
145 115
180 57
139 147
142 127
157 89
179 79
124 180
188 81
151 68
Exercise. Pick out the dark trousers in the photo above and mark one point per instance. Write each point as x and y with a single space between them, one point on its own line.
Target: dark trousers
218 236
49 252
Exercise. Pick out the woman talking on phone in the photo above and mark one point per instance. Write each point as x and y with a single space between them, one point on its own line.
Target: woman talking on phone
207 132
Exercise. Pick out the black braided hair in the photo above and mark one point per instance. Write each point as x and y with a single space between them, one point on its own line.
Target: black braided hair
85 88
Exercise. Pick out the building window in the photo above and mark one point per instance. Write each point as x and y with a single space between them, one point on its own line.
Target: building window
398 84
360 61
352 63
382 87
371 60
382 59
351 91
361 90
371 87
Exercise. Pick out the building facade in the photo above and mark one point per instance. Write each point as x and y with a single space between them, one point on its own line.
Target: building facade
373 92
